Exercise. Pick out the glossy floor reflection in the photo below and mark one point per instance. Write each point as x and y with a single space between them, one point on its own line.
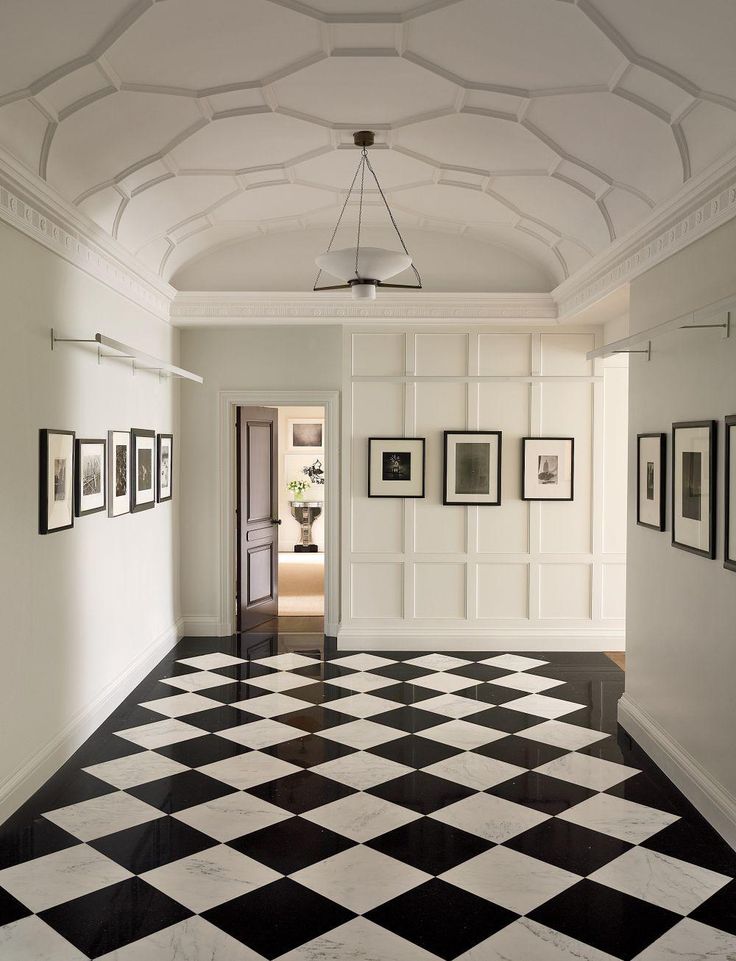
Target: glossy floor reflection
262 797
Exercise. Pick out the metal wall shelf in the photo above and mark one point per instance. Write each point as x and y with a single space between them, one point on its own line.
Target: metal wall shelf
140 360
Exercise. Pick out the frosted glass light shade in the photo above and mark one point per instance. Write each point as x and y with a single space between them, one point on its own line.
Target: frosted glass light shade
374 263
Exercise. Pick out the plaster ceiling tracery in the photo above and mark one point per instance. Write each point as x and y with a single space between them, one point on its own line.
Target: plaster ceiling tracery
546 128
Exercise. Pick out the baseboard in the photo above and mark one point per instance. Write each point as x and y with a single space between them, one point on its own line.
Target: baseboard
715 803
204 625
19 786
434 639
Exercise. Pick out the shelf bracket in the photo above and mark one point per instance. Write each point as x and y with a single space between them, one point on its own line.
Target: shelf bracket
725 326
647 351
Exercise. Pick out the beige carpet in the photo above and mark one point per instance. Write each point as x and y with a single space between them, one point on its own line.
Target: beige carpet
301 584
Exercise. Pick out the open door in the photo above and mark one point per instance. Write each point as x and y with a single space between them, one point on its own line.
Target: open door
257 520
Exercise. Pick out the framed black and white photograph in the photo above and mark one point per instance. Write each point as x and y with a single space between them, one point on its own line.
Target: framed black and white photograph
651 485
305 434
729 557
142 469
472 468
165 467
56 481
396 466
89 476
694 487
548 468
118 472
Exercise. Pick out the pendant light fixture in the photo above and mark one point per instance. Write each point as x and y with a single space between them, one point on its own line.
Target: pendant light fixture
362 269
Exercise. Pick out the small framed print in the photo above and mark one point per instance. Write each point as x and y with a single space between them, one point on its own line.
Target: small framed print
165 467
118 472
651 483
89 476
729 559
142 469
548 469
56 481
472 468
396 466
305 435
694 487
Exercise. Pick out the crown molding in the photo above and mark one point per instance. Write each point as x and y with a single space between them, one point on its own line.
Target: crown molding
30 205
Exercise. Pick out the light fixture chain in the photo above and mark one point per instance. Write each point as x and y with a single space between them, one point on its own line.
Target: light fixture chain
363 162
391 217
339 219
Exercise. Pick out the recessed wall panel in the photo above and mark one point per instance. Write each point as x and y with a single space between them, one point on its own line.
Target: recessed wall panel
615 457
503 590
379 355
563 355
564 591
614 591
439 590
442 355
504 355
376 590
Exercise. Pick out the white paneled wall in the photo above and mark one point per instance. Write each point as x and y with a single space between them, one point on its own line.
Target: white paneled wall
522 575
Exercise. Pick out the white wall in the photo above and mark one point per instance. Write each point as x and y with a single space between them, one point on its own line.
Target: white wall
290 531
80 608
524 575
681 637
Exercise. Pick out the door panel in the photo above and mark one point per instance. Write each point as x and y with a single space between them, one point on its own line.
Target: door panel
257 507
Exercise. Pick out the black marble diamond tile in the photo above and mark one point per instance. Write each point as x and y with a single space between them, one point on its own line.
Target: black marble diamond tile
498 694
180 791
225 693
406 693
312 719
409 719
278 917
301 791
72 787
568 846
202 750
308 750
244 671
324 671
414 751
549 795
643 790
291 845
429 845
521 751
421 792
218 718
720 910
441 918
479 672
11 909
32 840
606 919
504 719
694 840
147 846
400 672
318 692
108 919
105 747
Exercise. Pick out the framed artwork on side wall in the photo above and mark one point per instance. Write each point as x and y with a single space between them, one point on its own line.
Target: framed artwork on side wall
165 467
472 468
729 557
89 476
651 477
548 469
142 469
56 481
396 466
694 487
118 472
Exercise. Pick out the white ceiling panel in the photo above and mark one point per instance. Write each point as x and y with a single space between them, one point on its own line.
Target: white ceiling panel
265 203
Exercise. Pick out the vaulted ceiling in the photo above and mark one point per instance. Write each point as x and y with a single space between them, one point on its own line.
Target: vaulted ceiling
516 139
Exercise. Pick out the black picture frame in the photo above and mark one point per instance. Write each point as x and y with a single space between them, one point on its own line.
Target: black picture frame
137 505
44 436
712 428
398 441
525 441
79 479
729 548
662 524
448 434
167 497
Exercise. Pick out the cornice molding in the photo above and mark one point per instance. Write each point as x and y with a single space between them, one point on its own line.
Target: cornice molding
31 206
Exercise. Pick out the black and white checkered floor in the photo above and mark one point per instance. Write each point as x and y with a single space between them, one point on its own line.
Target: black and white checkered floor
365 808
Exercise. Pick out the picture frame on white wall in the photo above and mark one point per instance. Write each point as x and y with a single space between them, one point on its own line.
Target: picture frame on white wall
89 476
472 468
651 481
694 487
118 472
142 469
729 554
548 469
305 435
396 466
56 481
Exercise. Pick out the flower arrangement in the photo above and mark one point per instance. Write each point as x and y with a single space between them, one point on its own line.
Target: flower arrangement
297 487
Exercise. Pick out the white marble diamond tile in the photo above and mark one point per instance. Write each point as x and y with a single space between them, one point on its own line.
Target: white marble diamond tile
438 662
99 816
474 770
361 770
561 734
260 734
513 662
361 817
55 878
179 705
592 772
361 734
271 705
248 770
513 880
531 683
362 662
160 733
543 706
125 772
690 940
206 662
445 682
229 817
280 681
462 734
452 705
361 705
209 878
191 940
197 681
360 878
361 681
527 940
492 818
660 879
287 662
358 940
31 939
622 819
